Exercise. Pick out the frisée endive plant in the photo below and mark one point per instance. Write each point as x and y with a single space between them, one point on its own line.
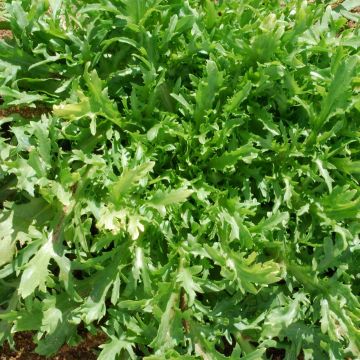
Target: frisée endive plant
190 186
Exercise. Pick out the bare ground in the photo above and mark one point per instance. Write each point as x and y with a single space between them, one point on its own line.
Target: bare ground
24 349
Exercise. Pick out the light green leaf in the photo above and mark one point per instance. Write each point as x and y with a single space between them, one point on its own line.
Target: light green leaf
245 153
36 271
112 349
238 98
163 337
14 97
7 243
186 280
271 223
325 174
338 91
130 178
347 165
171 197
207 90
94 307
96 104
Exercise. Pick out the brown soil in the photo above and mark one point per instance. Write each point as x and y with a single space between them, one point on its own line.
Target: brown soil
87 349
334 5
5 34
353 24
26 112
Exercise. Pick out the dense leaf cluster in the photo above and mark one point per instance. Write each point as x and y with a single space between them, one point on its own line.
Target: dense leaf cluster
192 188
